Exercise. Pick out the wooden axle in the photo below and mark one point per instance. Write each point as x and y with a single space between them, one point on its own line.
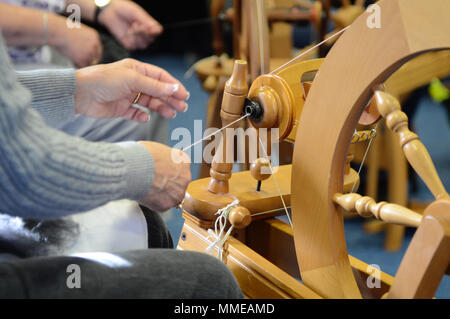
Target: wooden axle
366 206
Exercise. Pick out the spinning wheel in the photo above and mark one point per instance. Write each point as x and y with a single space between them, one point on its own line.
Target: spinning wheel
315 186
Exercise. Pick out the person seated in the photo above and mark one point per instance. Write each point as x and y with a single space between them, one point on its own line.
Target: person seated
31 32
47 174
40 37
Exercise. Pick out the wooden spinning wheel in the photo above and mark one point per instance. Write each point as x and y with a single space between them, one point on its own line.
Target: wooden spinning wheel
315 186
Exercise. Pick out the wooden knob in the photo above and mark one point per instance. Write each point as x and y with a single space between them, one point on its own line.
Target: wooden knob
260 169
239 217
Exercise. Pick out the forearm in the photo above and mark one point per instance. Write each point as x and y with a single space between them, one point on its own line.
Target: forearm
52 93
45 173
26 27
87 8
48 174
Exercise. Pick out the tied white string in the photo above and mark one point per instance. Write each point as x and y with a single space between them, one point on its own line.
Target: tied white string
219 235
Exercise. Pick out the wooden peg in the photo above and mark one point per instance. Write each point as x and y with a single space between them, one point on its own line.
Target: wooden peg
232 103
260 170
239 217
415 152
366 206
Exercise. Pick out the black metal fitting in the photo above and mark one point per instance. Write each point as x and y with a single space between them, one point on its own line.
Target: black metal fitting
254 109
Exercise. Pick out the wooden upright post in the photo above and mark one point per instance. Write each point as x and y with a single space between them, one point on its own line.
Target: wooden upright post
234 96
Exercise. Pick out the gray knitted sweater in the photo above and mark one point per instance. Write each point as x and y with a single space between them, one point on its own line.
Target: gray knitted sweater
45 173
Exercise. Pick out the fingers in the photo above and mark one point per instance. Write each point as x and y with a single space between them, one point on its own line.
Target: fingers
161 106
148 28
173 104
143 22
173 92
170 178
161 92
162 75
137 115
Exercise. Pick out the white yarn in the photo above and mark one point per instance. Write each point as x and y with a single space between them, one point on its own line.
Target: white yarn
219 228
13 229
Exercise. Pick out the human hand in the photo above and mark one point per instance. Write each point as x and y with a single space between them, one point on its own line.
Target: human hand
171 177
109 90
81 45
131 25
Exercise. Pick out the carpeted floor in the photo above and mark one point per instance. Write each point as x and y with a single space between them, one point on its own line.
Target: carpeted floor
430 123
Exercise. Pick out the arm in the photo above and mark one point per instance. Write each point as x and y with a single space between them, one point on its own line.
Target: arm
131 25
87 8
45 173
26 27
52 93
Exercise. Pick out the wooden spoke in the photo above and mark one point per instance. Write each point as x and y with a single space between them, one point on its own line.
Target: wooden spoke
415 151
427 258
338 96
315 186
366 206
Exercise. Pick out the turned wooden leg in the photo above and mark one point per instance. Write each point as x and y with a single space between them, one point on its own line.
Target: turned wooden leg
397 188
213 119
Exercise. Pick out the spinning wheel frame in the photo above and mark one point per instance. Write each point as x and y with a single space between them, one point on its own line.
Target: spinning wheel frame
335 102
348 76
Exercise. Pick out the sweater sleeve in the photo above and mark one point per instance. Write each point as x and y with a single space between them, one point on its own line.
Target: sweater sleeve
45 173
52 93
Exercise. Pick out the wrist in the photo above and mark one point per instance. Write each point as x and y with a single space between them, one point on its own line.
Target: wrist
101 6
140 167
80 80
56 28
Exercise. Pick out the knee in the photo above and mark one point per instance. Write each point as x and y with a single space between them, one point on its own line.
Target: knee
217 278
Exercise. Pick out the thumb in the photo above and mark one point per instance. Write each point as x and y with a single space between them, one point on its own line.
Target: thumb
153 87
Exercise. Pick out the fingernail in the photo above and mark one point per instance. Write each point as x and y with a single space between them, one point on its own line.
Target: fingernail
148 118
174 115
188 96
187 106
175 88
